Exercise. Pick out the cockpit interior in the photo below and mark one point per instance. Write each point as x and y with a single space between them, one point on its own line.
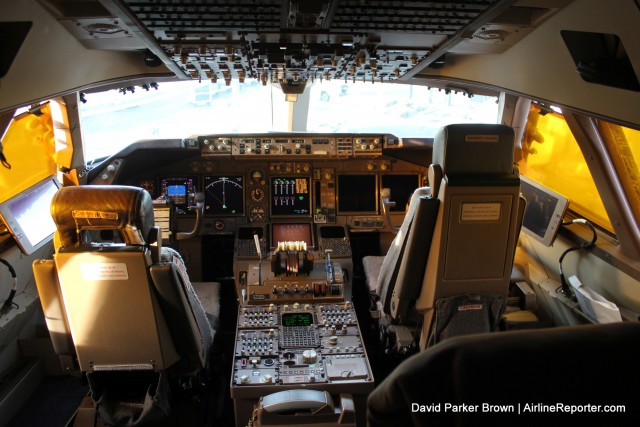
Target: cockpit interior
319 213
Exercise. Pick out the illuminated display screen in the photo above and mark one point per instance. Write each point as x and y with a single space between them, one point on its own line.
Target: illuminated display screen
291 233
297 319
28 217
402 187
544 211
177 193
357 194
224 195
290 196
181 191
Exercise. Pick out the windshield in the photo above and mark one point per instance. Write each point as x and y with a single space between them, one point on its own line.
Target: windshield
114 119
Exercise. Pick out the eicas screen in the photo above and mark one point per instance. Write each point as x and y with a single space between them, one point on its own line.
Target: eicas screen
290 196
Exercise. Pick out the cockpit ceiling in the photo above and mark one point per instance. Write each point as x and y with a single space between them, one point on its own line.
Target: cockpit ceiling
293 41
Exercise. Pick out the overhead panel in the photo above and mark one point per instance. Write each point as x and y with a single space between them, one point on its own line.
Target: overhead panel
291 42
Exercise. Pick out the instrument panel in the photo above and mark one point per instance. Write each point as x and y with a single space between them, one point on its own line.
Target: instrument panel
259 178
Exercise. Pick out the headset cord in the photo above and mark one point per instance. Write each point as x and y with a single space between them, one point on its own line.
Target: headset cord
566 289
14 287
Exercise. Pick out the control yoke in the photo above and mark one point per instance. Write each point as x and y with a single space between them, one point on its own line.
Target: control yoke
199 208
387 204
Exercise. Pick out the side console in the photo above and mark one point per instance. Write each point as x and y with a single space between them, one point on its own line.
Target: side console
298 346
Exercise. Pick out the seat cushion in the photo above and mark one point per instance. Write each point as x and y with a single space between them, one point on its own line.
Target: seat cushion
209 295
207 320
372 266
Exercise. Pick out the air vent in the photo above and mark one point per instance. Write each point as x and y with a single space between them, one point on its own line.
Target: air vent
492 34
103 28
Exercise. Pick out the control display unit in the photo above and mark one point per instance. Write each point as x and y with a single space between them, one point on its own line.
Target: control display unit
224 195
297 319
357 194
290 196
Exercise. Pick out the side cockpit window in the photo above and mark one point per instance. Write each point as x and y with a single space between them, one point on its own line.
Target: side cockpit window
623 144
552 157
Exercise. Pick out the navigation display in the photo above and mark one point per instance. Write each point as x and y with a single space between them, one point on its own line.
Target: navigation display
224 195
290 196
402 187
179 190
357 194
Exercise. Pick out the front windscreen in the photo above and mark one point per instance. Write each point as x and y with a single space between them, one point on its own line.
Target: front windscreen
180 109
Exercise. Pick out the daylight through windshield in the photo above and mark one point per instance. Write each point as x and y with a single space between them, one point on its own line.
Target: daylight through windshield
112 120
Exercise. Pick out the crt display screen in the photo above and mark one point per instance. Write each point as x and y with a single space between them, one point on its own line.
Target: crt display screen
545 208
540 207
297 319
402 187
224 195
287 232
181 191
290 196
28 217
357 194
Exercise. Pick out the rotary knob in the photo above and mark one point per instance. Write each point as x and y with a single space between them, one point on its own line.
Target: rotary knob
267 379
309 356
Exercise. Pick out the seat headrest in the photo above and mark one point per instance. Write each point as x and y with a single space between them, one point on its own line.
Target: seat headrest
102 207
474 149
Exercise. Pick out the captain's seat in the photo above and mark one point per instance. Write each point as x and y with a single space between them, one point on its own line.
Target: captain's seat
124 306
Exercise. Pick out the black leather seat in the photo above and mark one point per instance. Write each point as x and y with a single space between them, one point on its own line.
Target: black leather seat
530 377
122 305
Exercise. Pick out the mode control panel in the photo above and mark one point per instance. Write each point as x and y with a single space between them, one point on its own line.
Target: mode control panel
291 145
